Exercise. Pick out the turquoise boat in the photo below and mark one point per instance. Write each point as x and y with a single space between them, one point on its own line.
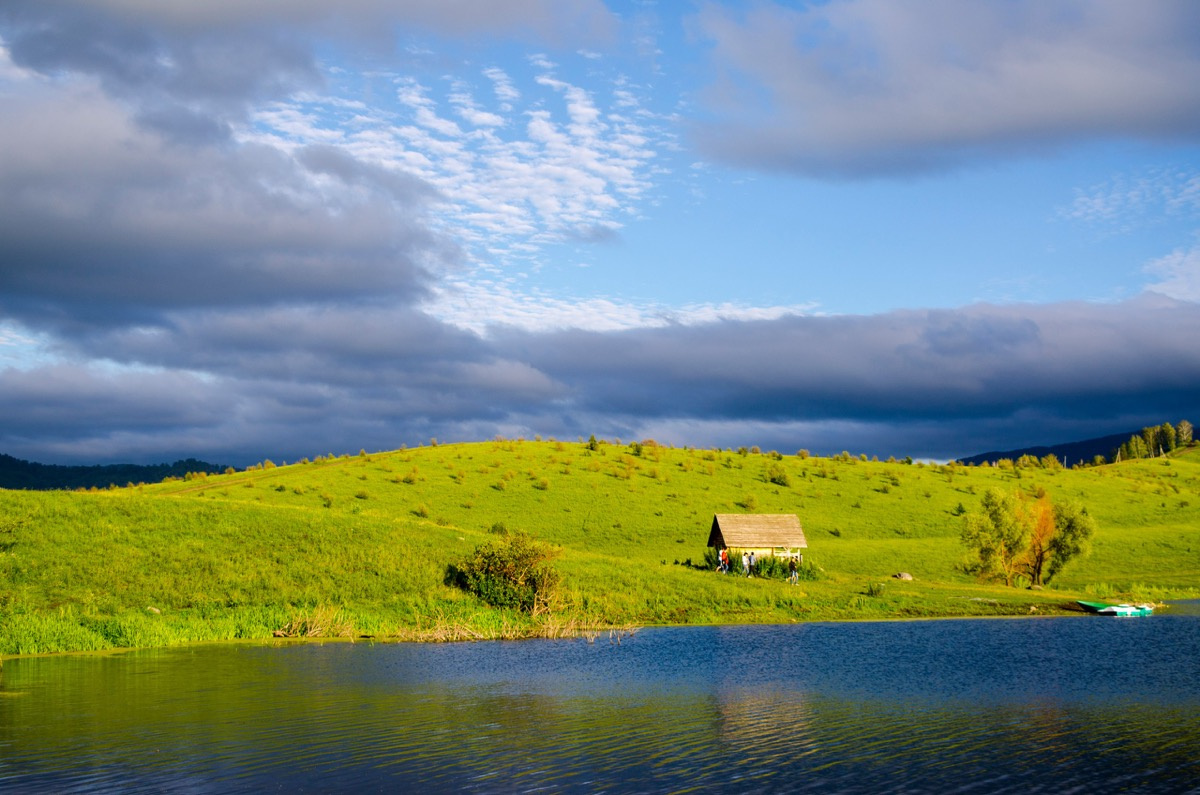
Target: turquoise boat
1105 609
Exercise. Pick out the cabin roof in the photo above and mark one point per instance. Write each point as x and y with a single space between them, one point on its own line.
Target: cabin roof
757 530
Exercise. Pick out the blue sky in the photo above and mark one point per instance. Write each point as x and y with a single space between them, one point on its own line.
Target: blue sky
272 230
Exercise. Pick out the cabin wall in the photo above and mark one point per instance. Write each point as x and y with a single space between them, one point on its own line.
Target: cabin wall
766 552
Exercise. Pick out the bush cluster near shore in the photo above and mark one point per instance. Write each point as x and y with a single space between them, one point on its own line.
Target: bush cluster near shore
365 545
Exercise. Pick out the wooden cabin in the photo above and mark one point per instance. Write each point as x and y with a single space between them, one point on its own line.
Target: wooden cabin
775 534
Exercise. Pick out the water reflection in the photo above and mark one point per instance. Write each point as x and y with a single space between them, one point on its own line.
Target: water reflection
990 706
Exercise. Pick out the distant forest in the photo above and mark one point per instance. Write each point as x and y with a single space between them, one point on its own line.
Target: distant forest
1156 440
1152 441
18 474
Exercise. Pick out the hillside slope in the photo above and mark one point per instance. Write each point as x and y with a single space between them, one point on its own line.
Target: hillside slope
361 545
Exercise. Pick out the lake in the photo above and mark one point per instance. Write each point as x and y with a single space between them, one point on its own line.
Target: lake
1084 704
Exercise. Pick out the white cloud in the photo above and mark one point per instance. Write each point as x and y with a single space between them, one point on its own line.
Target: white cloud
1127 201
1178 273
559 167
502 84
411 93
480 306
464 105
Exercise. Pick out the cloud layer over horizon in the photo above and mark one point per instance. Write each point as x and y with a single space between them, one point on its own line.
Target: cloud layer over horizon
864 88
293 382
216 240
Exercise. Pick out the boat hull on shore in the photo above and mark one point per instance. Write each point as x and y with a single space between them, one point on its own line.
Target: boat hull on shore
1122 610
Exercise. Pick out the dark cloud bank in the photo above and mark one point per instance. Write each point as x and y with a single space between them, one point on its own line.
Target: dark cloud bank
291 382
236 301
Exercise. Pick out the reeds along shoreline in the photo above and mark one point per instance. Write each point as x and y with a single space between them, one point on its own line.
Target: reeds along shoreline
451 632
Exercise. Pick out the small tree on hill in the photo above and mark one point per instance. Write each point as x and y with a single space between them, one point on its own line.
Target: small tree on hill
1183 433
1167 437
1134 448
1050 461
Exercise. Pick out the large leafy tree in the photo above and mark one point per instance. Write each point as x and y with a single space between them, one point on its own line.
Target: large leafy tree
1040 519
998 534
1073 531
1010 535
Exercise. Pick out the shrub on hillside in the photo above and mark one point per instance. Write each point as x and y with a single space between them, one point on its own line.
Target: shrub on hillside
512 571
777 569
775 473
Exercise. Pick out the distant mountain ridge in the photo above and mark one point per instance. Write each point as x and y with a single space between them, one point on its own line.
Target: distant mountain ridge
18 474
1069 453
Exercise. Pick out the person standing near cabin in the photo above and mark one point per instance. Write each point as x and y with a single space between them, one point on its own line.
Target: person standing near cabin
792 574
745 564
724 560
753 560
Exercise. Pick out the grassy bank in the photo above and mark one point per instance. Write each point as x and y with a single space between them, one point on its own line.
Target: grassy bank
357 546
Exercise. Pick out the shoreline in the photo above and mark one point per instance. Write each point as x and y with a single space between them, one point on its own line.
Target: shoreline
591 633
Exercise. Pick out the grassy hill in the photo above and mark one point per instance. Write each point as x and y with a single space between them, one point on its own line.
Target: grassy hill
360 545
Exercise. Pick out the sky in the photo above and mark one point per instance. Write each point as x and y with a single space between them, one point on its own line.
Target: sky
239 231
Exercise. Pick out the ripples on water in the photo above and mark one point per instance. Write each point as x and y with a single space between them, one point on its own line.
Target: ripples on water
1044 705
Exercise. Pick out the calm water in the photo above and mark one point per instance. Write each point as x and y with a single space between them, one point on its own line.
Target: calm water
1043 705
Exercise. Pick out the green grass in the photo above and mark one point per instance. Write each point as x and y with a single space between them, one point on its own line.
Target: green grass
359 545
